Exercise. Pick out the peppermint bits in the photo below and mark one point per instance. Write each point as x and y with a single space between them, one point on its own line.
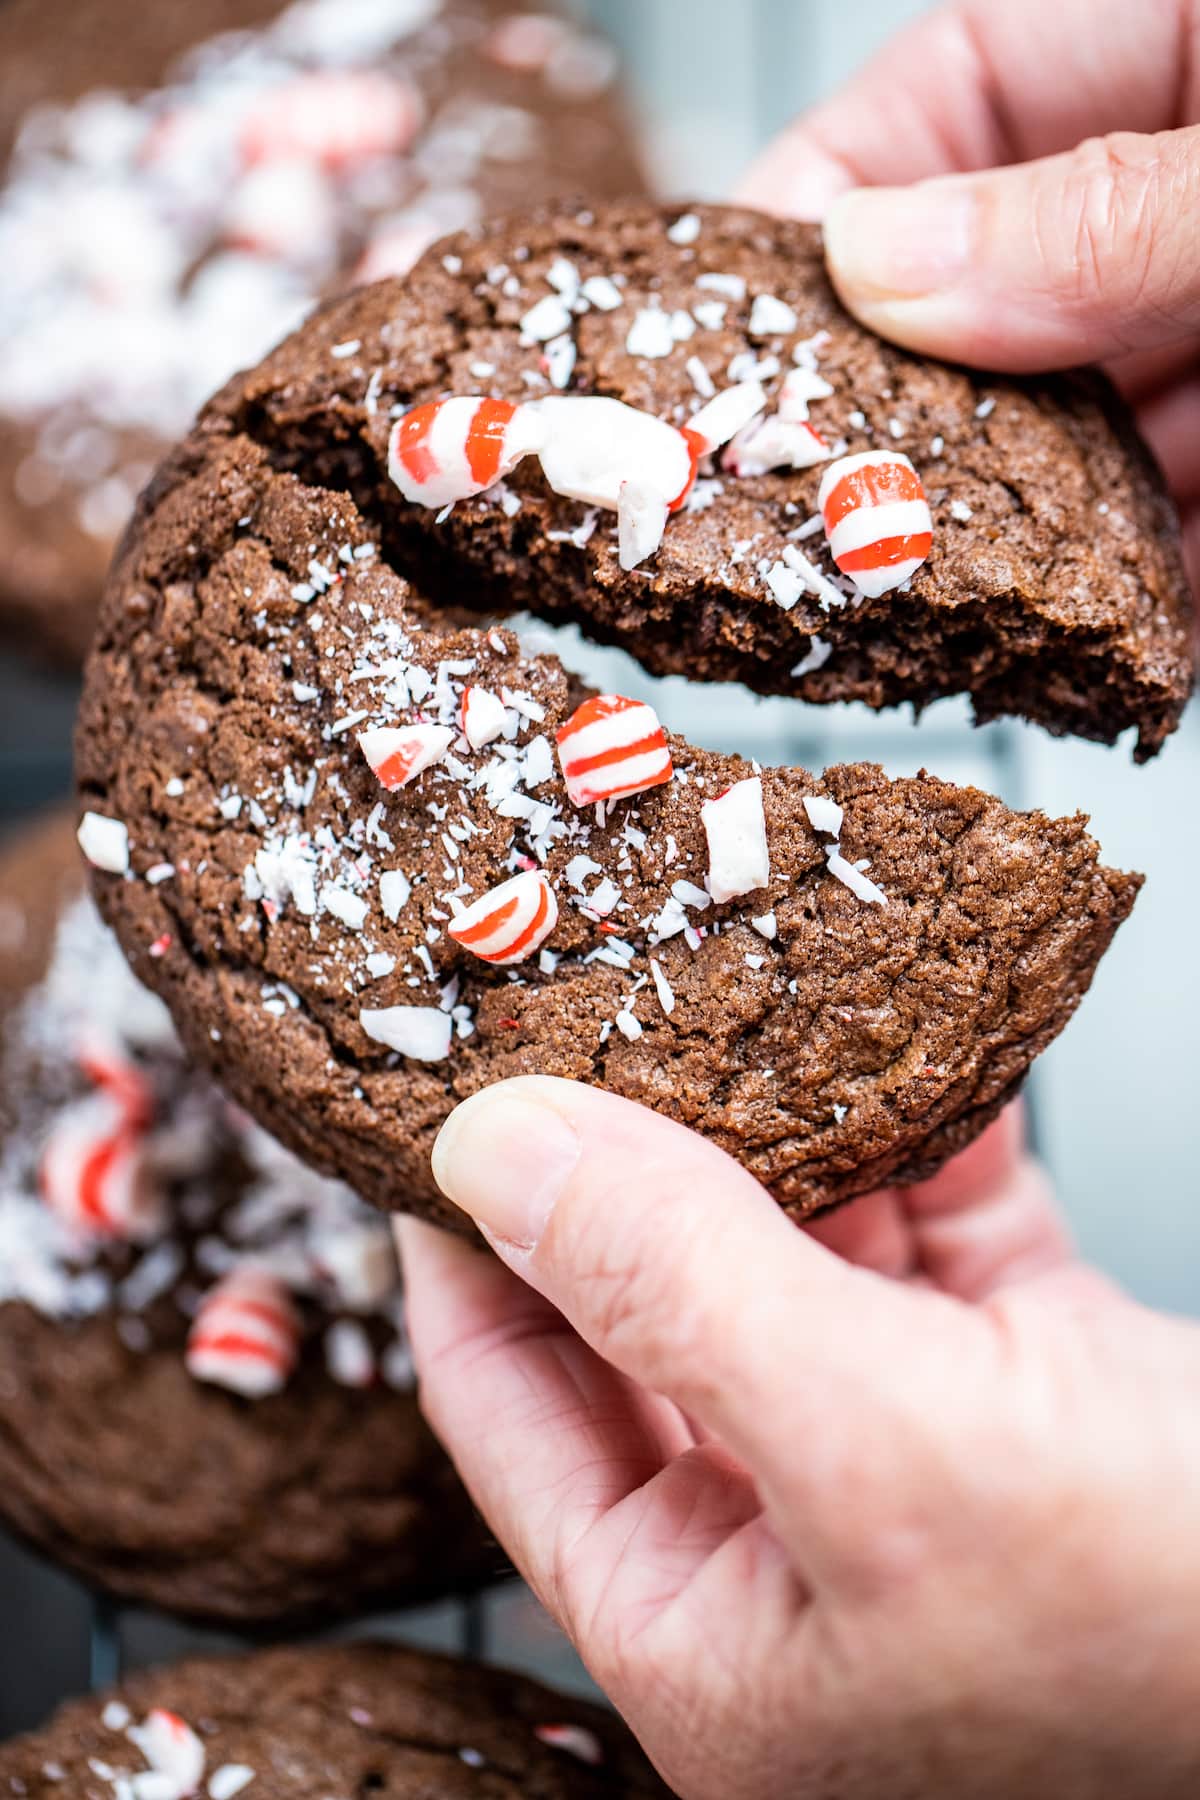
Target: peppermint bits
452 449
481 717
95 1175
877 519
246 1335
735 825
611 747
510 921
399 753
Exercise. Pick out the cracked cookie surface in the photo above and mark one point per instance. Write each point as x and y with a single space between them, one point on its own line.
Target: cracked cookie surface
255 622
1055 587
349 1719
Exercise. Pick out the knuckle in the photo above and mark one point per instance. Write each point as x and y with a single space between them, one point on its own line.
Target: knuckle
1117 215
631 1302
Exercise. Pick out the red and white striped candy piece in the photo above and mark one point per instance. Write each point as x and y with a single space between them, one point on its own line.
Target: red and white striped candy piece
775 443
576 1740
449 450
509 922
338 118
611 746
172 1749
739 860
877 519
481 717
106 1064
95 1175
246 1335
399 753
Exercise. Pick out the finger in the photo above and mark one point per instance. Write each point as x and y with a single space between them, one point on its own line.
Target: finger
677 1268
973 85
595 1489
545 1435
1072 259
873 1232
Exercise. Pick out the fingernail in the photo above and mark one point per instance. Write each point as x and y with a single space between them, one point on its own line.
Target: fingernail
889 247
505 1159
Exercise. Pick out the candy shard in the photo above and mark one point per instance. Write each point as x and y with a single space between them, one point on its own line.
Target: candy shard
576 1740
594 445
612 746
95 1174
824 814
449 450
775 443
398 754
482 717
877 519
420 1032
509 922
246 1335
105 843
735 825
171 1748
853 878
728 413
642 514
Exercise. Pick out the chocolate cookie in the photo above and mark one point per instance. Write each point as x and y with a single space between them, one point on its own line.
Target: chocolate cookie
1052 586
344 1719
206 1397
304 786
177 191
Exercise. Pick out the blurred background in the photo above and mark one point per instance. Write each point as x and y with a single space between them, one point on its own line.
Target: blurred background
1113 1100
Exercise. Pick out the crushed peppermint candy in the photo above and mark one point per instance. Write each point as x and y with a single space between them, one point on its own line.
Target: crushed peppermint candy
420 1032
105 843
735 825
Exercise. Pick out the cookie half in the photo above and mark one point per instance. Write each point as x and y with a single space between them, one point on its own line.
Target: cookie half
338 1719
304 788
1052 587
206 1396
178 188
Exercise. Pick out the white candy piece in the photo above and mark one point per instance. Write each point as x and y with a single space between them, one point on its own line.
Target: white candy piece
482 717
283 209
775 443
770 317
228 1780
420 1032
394 891
398 754
824 814
799 387
853 878
728 413
642 515
735 825
594 445
576 1740
105 843
171 1748
360 1261
246 1335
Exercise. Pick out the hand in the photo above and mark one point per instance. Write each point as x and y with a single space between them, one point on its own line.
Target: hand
1055 157
819 1533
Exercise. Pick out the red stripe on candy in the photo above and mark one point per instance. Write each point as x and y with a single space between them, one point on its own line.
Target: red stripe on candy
485 439
875 484
887 553
235 1344
604 759
489 923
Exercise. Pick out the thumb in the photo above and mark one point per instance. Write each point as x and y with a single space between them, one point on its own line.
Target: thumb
1047 264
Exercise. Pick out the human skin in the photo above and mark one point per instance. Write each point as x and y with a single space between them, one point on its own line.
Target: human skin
903 1503
1016 186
